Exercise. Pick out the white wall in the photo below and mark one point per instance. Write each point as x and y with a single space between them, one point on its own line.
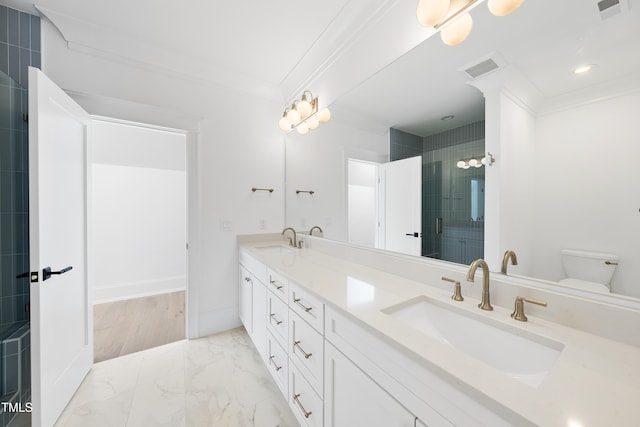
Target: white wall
587 187
362 207
509 181
237 146
318 161
139 211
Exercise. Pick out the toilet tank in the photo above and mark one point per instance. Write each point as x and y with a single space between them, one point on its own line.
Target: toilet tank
589 266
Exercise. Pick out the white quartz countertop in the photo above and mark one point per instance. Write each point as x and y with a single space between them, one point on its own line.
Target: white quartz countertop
594 382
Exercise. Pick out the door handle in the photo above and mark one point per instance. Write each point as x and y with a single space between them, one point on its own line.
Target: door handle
413 234
438 225
47 273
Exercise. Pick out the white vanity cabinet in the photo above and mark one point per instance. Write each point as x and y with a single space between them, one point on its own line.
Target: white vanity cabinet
335 372
353 399
252 301
434 401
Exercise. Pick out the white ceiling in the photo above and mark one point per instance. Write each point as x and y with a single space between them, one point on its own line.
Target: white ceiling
544 39
286 45
263 39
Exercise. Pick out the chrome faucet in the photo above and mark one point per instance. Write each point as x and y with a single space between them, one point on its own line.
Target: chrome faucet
293 242
485 303
313 228
508 255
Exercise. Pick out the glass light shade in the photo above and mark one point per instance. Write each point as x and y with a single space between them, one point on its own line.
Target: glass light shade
461 164
293 116
473 162
457 31
478 165
503 7
303 128
304 108
466 166
431 12
483 161
324 115
313 122
284 124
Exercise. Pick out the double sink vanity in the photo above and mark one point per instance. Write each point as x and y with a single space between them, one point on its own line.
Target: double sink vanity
354 336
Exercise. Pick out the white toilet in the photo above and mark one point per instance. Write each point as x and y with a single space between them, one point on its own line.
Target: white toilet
590 271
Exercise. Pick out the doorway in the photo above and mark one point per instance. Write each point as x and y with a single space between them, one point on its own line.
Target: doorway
139 236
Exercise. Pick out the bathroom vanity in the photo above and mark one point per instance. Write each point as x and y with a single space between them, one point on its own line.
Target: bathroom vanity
354 336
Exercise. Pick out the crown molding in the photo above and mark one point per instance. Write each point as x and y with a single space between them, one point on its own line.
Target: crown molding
114 46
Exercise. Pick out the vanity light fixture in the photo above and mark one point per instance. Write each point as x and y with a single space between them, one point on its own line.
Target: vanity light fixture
303 115
452 18
476 162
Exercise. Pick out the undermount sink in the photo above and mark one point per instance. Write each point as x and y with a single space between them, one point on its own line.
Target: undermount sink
276 248
521 355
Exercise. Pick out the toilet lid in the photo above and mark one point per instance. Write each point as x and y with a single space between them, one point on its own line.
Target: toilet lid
583 284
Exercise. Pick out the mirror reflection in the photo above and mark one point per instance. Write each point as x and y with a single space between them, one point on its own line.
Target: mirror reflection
564 145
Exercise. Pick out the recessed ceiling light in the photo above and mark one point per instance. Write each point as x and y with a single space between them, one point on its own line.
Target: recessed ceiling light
583 69
445 118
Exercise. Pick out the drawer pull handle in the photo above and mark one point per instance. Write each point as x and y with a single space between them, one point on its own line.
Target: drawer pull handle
274 363
273 316
304 411
278 287
306 355
246 279
305 308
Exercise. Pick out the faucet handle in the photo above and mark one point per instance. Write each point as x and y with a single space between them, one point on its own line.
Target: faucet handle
518 310
457 293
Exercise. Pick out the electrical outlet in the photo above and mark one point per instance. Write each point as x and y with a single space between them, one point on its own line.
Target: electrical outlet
227 225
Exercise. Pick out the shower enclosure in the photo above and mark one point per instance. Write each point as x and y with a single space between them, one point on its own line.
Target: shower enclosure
15 357
453 177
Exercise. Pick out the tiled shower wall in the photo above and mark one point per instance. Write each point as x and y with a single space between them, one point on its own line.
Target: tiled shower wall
19 44
19 49
446 190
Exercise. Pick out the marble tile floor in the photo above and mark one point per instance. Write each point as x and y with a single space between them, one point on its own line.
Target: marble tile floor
219 380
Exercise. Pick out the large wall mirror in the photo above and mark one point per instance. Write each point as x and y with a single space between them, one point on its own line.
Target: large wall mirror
565 145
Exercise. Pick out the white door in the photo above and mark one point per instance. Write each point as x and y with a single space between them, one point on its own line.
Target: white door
61 316
401 210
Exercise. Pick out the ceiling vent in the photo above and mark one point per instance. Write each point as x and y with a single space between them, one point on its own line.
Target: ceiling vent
483 65
482 68
609 8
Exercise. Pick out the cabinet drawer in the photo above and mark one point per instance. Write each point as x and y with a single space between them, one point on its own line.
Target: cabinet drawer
277 318
306 350
278 363
304 402
255 267
278 284
307 305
